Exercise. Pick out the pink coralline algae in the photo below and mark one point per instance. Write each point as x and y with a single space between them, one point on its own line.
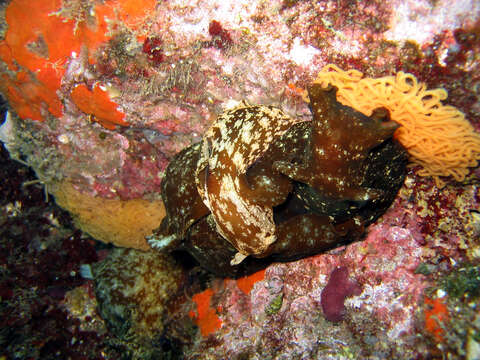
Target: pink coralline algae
333 296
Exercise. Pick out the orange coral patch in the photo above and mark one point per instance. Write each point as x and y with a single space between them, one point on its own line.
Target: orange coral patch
295 89
49 38
42 36
31 99
40 41
21 105
28 44
21 38
206 318
436 316
246 283
97 103
132 11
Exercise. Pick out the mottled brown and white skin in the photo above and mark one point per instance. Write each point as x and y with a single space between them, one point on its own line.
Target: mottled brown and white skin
233 143
183 204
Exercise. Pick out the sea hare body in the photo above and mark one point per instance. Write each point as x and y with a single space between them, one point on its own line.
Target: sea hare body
262 186
183 204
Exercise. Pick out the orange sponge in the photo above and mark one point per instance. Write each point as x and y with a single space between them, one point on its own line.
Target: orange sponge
41 37
97 103
205 317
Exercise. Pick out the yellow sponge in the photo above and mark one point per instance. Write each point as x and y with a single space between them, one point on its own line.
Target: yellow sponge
121 222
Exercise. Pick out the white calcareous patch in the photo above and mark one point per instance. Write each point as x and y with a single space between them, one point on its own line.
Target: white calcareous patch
7 132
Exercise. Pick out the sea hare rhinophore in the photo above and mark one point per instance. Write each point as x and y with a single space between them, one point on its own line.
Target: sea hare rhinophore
262 186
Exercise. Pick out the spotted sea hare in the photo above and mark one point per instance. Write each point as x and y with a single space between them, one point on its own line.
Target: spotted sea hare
262 186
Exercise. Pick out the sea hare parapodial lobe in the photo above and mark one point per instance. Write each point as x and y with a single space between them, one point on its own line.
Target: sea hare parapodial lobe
232 144
248 226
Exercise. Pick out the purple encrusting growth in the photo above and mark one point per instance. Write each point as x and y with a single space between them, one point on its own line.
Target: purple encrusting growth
338 288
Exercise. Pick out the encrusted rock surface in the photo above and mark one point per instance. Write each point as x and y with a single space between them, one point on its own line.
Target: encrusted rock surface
169 68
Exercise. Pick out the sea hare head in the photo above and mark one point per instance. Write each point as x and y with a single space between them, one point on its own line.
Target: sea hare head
264 185
340 140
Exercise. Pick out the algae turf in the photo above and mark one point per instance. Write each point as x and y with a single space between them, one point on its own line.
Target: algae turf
464 282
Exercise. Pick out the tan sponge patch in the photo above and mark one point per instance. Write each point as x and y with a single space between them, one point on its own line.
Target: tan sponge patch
124 223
